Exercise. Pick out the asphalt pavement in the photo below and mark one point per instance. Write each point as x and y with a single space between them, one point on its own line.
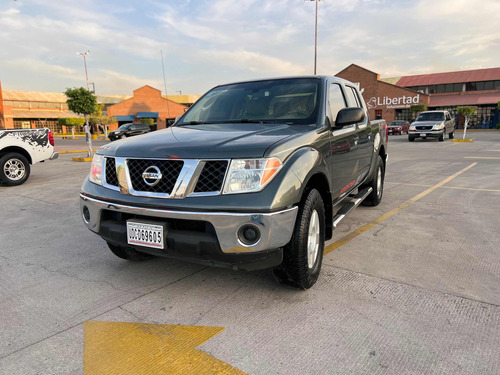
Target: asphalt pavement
411 286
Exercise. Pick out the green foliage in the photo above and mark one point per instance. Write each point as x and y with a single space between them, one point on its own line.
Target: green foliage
498 104
101 120
148 121
498 126
98 110
418 108
71 121
466 111
81 101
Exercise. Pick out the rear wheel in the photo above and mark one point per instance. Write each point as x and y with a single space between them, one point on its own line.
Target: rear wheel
376 183
128 253
303 255
14 169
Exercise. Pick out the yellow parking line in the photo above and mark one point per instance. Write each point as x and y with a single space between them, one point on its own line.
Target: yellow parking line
443 187
387 215
481 157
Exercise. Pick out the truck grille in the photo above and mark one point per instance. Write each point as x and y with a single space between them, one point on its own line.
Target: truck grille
211 177
111 177
423 127
170 170
210 180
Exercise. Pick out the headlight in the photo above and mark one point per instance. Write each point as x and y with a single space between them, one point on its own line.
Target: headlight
438 127
250 175
412 127
96 169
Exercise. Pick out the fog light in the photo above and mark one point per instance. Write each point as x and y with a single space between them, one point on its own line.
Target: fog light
249 234
86 214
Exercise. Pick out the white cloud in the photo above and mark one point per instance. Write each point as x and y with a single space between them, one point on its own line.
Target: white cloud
255 62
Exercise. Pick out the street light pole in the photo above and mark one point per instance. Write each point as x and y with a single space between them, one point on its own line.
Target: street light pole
87 128
316 36
85 54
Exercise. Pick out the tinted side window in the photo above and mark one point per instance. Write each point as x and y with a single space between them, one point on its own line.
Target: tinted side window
351 98
336 101
352 90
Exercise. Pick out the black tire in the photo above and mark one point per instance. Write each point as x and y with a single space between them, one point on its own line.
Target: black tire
14 169
411 139
451 135
128 253
441 136
295 269
376 183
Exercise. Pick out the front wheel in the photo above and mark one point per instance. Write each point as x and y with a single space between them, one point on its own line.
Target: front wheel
451 135
303 255
14 169
411 139
376 183
441 136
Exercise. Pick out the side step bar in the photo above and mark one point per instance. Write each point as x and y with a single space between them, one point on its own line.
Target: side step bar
348 207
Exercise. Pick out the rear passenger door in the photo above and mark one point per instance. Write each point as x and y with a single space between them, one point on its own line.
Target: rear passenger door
342 159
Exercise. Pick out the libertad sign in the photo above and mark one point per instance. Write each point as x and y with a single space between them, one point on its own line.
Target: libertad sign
397 102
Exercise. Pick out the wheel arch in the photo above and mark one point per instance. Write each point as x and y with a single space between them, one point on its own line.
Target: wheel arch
319 182
18 150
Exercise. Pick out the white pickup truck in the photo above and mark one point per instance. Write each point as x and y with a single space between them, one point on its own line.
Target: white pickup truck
19 148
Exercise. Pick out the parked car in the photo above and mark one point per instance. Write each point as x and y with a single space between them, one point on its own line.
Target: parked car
399 127
128 130
432 124
248 178
20 148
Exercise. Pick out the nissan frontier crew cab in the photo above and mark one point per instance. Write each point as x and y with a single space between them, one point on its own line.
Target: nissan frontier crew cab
254 175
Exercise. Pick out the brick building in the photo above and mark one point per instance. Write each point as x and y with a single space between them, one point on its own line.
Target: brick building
146 103
479 88
384 100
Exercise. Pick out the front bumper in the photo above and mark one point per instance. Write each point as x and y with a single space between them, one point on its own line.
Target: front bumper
425 133
108 219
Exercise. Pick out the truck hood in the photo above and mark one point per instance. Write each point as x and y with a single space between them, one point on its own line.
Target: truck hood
210 141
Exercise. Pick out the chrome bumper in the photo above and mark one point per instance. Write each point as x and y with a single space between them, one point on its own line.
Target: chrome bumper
276 228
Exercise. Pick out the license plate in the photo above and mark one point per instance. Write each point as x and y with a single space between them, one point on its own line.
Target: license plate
423 135
143 234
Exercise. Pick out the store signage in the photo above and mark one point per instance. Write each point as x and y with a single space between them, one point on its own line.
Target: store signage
395 102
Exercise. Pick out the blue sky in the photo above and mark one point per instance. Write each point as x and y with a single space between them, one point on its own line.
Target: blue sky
208 42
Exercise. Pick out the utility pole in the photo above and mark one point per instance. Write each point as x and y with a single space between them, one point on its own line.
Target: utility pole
85 54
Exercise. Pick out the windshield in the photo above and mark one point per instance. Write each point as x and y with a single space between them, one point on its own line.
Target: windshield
293 101
431 116
124 127
395 123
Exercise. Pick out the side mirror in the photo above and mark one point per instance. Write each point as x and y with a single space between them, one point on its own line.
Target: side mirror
349 116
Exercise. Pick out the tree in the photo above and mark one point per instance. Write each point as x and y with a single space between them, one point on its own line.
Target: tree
467 112
418 108
97 119
71 122
84 103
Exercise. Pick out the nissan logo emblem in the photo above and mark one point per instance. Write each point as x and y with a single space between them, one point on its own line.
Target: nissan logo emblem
152 175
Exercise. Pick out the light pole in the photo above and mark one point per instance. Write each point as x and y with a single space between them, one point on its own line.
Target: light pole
85 54
316 35
87 128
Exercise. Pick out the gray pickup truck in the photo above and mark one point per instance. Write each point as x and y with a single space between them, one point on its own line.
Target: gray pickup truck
254 175
432 124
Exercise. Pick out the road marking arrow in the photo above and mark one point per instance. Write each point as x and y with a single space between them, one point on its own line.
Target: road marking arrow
137 348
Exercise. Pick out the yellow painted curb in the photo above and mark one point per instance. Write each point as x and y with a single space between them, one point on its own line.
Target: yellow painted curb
81 159
463 140
74 151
